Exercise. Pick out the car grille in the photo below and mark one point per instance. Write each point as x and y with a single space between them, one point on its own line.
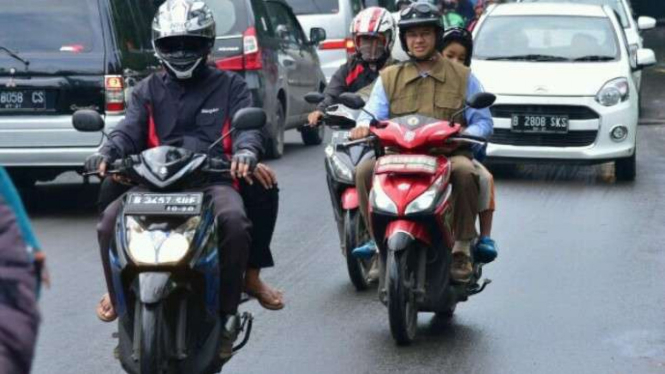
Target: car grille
573 112
571 139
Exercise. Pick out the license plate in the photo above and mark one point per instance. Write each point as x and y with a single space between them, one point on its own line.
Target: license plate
541 123
154 203
22 100
406 164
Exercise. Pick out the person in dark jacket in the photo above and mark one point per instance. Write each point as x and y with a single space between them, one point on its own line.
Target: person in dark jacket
373 32
189 105
20 260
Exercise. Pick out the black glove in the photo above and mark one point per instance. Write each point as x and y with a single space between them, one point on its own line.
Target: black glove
246 157
93 161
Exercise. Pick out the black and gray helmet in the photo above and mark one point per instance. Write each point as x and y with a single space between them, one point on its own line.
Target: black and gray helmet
183 34
420 14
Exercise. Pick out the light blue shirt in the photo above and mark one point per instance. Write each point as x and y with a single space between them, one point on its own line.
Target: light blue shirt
479 121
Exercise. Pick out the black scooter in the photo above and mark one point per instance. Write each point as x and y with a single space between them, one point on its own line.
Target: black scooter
341 163
164 259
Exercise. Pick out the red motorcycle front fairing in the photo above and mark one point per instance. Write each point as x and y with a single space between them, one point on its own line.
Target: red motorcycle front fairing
417 230
416 134
350 198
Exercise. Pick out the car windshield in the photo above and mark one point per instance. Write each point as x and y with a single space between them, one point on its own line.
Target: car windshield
50 26
617 5
301 7
230 17
546 39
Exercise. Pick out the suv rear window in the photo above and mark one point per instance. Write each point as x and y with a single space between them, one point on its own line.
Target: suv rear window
51 26
230 16
301 7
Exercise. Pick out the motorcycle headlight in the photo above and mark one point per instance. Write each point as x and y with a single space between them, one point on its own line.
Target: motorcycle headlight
380 200
613 92
425 201
341 170
158 247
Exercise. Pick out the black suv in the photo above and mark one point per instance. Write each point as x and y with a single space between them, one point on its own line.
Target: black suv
263 41
55 58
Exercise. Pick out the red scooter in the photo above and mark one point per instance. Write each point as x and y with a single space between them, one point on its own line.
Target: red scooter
411 215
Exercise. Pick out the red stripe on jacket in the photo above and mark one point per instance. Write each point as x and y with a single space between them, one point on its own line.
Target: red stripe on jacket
153 139
353 75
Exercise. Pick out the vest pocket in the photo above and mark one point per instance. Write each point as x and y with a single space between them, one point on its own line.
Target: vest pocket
449 101
403 105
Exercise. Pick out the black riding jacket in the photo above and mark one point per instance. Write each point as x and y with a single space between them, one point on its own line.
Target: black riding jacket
191 114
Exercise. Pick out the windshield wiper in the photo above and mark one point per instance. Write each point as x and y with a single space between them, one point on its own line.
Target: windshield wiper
16 56
594 58
530 57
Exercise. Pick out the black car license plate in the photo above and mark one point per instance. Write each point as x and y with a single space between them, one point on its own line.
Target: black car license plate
156 203
539 123
22 99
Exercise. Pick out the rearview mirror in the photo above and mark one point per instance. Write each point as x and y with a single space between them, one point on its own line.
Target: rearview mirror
352 101
87 120
249 119
646 23
645 57
481 100
314 97
316 35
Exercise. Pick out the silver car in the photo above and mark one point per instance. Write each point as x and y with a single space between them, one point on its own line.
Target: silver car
335 17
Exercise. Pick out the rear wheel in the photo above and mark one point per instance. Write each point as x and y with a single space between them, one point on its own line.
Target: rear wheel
355 234
625 169
276 149
313 135
150 354
402 308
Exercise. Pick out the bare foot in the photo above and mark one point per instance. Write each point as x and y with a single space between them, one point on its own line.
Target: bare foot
105 310
267 296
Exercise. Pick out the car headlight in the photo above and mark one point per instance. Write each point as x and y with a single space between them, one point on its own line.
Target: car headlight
157 247
425 201
613 92
341 170
380 200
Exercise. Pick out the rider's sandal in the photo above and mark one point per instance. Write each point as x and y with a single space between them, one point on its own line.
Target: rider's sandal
266 300
105 310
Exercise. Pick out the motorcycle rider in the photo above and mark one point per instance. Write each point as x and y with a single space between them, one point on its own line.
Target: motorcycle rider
432 86
458 46
189 105
373 33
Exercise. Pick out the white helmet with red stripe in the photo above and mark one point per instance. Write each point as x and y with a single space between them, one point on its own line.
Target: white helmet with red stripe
373 32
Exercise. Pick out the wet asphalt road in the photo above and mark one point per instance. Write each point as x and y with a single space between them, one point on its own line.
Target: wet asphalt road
578 286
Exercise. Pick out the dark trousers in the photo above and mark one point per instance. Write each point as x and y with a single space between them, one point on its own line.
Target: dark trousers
234 242
19 318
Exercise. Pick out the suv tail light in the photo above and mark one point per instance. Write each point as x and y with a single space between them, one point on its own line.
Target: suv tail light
251 57
339 44
115 94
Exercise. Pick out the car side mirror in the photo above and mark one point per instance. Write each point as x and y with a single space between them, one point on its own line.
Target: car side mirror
481 100
353 101
645 57
314 97
87 120
646 23
316 35
249 119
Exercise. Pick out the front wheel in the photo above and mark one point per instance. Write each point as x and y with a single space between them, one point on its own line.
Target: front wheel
402 308
150 355
355 235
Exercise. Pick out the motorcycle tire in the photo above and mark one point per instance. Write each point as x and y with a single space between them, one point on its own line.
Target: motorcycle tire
402 307
355 234
150 352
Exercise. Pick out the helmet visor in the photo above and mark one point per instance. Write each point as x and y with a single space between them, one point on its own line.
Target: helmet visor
183 48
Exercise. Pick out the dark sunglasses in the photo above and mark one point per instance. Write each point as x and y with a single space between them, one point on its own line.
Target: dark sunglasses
418 9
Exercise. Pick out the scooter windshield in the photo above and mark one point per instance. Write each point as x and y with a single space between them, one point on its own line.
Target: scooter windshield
165 161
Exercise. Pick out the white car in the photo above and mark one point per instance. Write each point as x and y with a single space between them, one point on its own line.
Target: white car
631 27
563 79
